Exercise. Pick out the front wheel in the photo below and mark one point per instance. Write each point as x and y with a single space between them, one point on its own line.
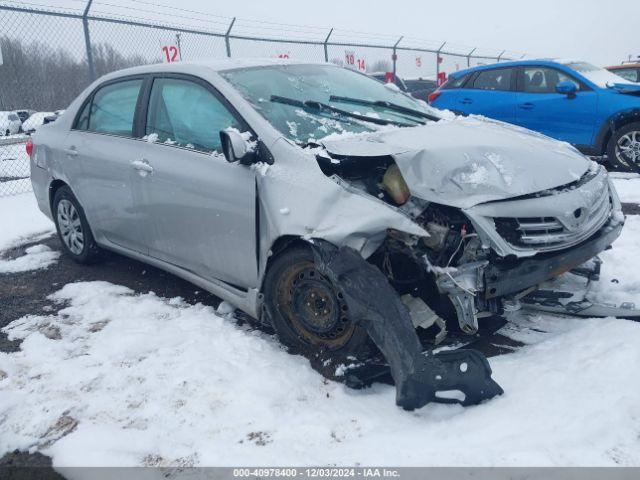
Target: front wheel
307 310
73 228
623 149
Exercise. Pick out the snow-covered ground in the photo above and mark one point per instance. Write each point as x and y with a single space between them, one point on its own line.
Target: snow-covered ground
119 378
628 186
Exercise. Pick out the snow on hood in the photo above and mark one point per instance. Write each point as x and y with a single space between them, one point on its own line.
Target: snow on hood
470 160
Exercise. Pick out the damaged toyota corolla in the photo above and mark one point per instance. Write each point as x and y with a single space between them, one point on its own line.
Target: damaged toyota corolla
346 215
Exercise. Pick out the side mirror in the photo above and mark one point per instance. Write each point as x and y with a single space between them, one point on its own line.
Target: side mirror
234 147
567 88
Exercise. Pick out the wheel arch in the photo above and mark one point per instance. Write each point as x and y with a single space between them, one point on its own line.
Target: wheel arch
54 186
277 248
613 123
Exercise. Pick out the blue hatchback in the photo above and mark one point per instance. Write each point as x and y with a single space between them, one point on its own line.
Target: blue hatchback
587 106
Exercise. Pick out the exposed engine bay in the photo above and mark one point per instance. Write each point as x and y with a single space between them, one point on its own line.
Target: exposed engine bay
447 279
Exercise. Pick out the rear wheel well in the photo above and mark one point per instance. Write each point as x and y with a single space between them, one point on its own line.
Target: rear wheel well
53 188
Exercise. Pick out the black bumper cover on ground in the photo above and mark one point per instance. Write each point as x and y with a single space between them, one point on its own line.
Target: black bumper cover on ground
375 306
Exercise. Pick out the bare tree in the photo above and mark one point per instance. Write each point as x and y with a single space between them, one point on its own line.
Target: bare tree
381 66
36 76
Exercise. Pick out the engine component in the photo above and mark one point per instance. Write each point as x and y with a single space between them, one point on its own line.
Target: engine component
395 186
375 306
438 235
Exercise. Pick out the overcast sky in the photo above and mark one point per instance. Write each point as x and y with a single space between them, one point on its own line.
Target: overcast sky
601 32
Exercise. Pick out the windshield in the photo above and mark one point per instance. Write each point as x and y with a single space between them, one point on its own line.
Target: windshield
266 87
597 75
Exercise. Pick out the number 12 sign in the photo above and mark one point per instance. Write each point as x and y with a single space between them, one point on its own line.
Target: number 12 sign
170 53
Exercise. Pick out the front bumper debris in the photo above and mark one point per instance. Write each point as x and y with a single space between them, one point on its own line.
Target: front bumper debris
375 306
512 277
569 295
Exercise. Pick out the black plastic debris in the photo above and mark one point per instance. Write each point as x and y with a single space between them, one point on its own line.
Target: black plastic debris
457 376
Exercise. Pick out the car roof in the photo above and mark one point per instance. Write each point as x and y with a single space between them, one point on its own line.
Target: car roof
215 64
623 66
514 63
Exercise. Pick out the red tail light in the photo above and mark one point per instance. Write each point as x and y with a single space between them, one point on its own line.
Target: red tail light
29 147
433 96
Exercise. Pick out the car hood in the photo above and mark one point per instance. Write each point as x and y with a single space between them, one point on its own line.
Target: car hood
626 88
469 160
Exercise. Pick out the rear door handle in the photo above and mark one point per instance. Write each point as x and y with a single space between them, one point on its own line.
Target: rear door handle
71 152
526 106
142 166
466 101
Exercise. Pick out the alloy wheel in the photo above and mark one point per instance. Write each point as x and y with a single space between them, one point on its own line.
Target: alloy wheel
70 226
628 147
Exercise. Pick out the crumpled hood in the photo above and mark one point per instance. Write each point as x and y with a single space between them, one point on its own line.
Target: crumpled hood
469 160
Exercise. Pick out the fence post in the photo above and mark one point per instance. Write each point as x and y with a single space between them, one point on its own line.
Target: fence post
394 57
469 57
438 63
500 56
226 37
87 41
326 51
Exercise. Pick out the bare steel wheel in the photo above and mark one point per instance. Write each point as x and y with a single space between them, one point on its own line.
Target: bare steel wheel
624 147
70 226
307 311
73 228
311 305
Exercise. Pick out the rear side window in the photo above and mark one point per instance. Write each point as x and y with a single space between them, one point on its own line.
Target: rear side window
455 82
186 114
112 109
543 80
499 79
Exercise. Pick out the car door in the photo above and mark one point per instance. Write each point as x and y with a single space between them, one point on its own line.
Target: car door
100 154
490 93
570 118
198 209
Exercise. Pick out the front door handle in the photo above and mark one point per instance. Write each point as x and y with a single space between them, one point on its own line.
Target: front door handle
71 151
142 166
526 106
466 101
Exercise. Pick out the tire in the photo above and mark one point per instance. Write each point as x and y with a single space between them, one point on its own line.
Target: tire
7 133
307 311
73 229
623 149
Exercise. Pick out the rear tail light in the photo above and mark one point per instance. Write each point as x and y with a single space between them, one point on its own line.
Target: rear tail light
29 147
433 95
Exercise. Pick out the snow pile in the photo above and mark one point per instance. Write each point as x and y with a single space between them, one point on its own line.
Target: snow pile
35 258
122 379
20 218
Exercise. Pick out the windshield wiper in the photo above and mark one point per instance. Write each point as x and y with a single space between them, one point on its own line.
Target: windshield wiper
384 104
320 107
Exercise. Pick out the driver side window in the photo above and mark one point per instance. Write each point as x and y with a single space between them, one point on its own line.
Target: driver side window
544 80
186 114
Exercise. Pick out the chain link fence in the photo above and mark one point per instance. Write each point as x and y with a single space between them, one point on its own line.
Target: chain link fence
48 57
14 166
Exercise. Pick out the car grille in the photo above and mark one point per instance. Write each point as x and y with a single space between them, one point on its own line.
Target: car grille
549 233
